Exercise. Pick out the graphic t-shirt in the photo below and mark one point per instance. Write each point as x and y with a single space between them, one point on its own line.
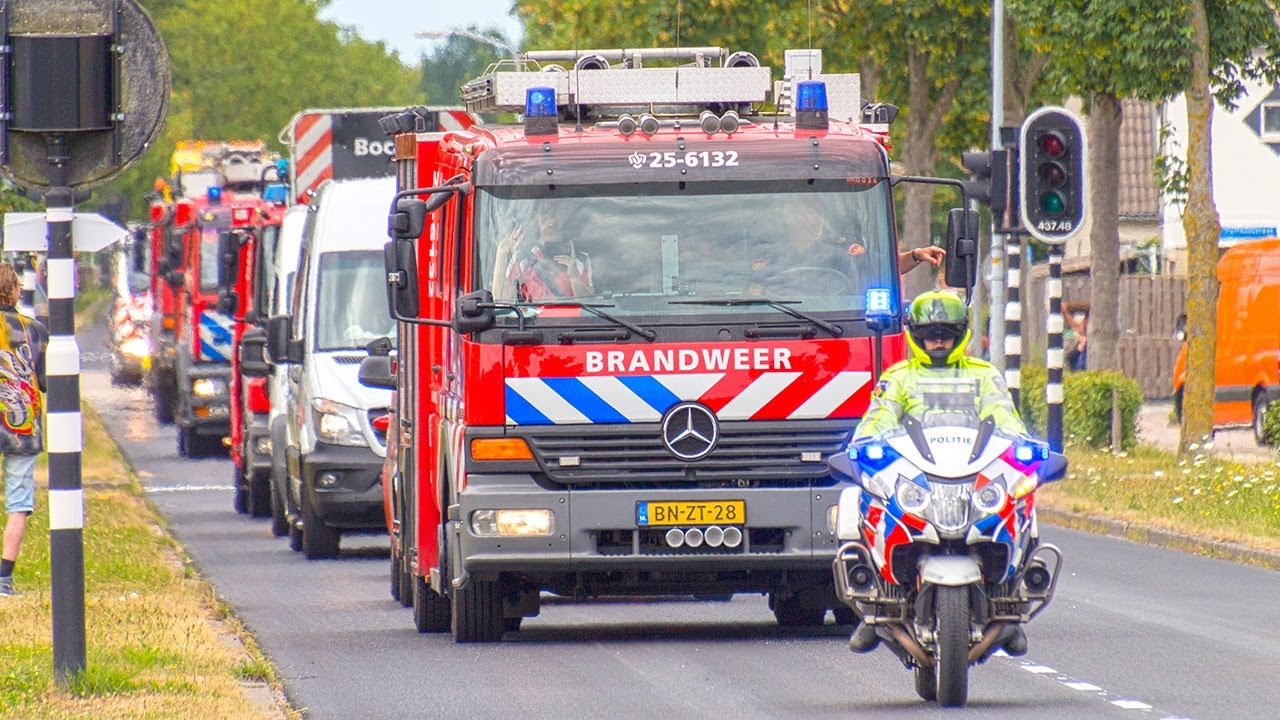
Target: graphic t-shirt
22 347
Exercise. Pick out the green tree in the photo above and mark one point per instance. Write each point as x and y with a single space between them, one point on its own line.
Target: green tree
1104 51
457 60
240 72
1234 41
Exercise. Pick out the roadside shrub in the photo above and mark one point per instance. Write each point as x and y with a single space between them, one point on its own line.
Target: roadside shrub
1271 425
1031 404
1086 406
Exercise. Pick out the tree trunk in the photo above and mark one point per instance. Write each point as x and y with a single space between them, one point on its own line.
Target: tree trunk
1104 238
920 157
1203 228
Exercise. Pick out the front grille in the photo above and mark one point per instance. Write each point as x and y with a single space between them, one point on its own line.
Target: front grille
748 454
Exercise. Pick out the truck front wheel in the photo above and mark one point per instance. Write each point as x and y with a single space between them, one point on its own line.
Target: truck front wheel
478 612
431 611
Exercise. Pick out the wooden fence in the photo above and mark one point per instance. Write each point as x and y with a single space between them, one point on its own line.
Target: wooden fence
1149 310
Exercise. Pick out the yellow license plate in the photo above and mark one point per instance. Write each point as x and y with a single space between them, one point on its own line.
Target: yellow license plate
709 512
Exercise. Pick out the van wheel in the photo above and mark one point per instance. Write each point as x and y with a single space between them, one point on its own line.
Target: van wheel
279 518
259 494
295 536
431 610
1260 406
478 612
319 541
241 500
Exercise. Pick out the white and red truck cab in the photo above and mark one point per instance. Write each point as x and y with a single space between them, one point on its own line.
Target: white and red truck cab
631 332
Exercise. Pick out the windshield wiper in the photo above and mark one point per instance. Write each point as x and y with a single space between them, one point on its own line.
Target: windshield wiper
594 309
779 305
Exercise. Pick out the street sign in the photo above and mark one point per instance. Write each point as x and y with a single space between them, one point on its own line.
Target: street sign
96 68
29 232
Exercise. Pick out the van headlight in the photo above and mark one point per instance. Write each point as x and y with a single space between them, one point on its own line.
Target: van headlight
338 424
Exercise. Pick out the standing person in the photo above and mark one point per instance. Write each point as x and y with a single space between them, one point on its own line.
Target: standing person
22 380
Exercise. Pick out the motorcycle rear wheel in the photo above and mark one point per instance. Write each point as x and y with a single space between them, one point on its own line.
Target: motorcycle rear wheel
951 608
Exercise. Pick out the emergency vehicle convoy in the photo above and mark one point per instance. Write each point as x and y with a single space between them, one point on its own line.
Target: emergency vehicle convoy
631 331
216 187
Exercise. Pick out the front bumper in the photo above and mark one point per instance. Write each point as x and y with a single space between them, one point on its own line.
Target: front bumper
354 500
207 414
596 532
259 438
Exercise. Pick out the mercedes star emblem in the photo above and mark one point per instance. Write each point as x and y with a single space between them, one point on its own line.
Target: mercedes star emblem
690 431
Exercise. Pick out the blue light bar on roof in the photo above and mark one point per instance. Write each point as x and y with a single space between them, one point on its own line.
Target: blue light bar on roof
811 95
214 195
540 113
879 303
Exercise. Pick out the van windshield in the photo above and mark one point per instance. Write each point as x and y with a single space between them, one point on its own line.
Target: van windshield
351 301
648 248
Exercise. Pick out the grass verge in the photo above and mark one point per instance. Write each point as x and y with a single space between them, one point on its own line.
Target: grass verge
153 649
1237 502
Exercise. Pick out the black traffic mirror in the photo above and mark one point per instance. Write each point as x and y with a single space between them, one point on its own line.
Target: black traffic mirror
375 372
400 259
962 248
408 219
278 329
253 353
474 312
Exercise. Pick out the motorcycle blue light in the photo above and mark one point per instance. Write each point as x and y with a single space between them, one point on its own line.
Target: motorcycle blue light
1025 453
873 456
811 95
540 102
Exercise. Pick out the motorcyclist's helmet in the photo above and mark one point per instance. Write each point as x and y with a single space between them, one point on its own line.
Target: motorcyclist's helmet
938 315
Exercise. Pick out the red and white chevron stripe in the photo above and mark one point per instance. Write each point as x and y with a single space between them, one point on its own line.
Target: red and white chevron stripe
313 150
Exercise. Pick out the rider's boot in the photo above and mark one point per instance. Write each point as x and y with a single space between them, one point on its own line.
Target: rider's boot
864 639
1016 646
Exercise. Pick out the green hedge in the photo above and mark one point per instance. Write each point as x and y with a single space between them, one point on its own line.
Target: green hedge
1271 425
1086 406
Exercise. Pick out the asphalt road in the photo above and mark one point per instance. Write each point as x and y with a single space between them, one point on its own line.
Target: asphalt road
1135 632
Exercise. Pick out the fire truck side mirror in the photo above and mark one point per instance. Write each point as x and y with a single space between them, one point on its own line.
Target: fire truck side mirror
173 250
228 302
253 354
400 260
409 218
962 248
228 258
474 312
174 278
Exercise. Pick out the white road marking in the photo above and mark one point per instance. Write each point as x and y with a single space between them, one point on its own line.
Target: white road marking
187 488
1074 684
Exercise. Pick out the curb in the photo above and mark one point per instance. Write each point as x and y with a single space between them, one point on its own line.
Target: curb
1233 552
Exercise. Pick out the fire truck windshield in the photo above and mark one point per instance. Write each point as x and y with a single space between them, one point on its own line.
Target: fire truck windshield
209 259
351 306
817 244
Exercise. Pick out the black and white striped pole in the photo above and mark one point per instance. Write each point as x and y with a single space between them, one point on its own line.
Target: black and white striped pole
1053 356
64 434
1013 318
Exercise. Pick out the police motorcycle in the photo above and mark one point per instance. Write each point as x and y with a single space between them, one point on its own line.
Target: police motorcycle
939 548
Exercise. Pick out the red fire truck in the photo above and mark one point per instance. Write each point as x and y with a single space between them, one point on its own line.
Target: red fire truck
245 258
216 187
631 332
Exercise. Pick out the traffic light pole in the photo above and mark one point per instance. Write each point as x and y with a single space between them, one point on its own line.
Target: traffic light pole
63 429
1053 356
1013 320
998 266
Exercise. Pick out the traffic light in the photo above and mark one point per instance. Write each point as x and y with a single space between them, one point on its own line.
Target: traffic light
991 183
1052 175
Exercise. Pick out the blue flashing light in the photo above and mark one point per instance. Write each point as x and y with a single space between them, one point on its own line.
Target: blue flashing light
540 102
879 302
872 455
811 96
276 193
1024 453
214 195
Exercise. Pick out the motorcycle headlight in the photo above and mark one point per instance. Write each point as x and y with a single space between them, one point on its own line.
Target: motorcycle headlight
989 498
338 424
911 497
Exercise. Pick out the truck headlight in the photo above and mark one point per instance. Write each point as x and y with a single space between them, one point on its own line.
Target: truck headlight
136 347
206 387
338 424
512 523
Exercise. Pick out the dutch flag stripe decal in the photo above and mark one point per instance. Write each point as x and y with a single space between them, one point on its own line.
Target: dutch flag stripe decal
215 335
585 401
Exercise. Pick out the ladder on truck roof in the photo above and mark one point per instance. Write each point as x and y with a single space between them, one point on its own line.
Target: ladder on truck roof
611 81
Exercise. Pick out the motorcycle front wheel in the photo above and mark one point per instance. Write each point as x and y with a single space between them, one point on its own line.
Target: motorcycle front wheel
951 607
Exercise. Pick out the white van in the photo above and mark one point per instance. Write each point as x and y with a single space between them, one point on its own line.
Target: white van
284 266
333 454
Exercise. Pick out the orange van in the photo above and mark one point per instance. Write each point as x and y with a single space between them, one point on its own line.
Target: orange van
1248 344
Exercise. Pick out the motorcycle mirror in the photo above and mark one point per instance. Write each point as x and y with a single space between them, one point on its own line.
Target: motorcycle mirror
1054 468
842 466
